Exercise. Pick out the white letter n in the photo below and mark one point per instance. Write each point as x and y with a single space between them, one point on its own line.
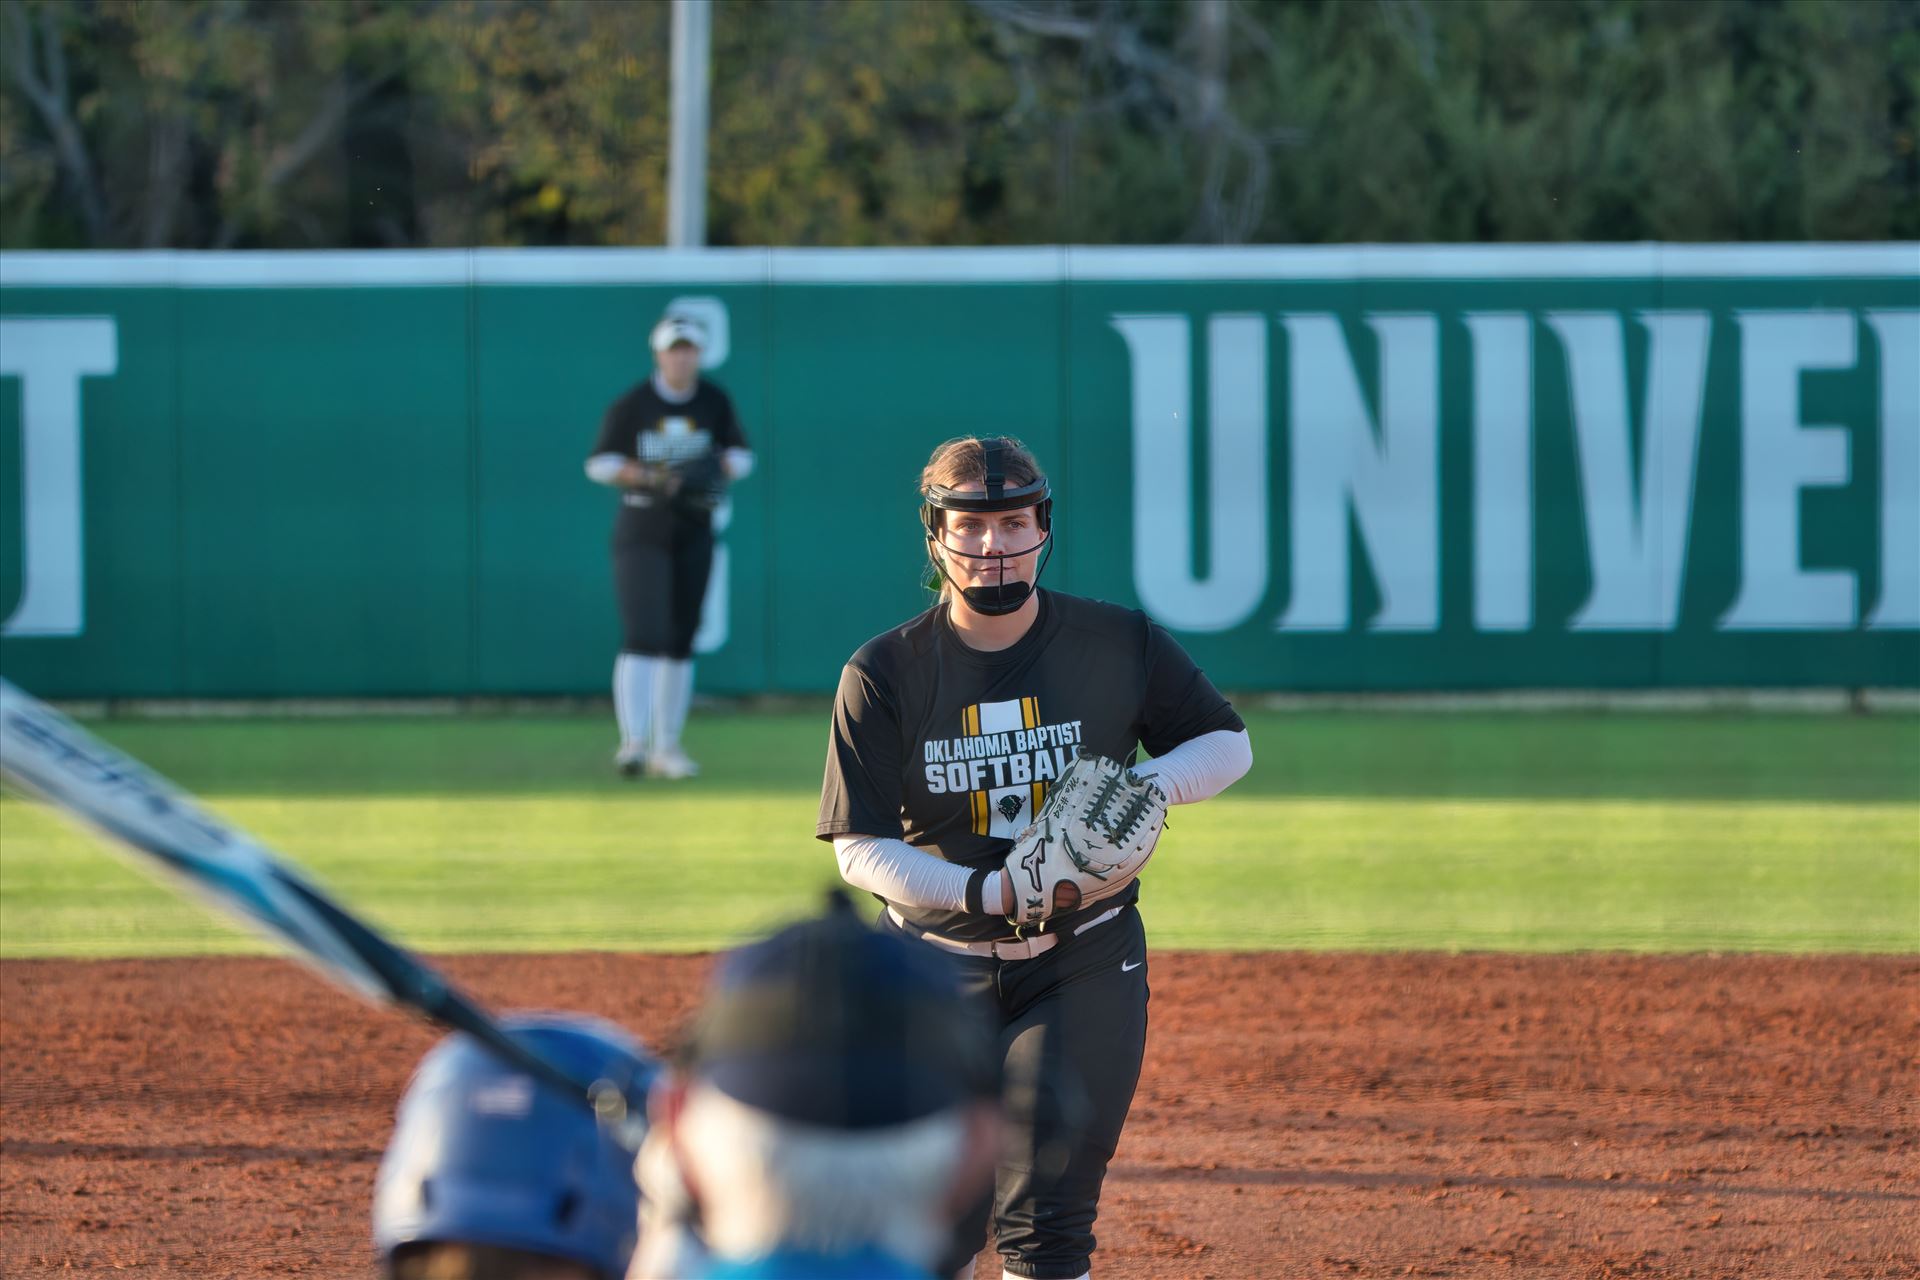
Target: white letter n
1388 477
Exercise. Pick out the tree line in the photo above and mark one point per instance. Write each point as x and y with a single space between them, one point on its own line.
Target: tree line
399 123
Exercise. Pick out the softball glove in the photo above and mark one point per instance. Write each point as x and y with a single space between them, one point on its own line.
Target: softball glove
1095 831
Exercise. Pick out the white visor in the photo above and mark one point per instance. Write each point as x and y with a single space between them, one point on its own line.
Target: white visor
674 329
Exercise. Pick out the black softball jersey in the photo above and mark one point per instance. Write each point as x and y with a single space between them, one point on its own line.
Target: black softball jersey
688 437
951 749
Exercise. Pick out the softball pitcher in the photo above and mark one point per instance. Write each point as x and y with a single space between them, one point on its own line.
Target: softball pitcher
948 732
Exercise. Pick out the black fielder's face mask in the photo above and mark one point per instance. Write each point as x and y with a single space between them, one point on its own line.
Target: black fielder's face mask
1000 591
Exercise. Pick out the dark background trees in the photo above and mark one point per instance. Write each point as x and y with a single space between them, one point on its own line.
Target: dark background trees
370 123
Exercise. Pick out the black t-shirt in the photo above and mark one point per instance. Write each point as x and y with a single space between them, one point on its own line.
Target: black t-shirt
687 437
951 749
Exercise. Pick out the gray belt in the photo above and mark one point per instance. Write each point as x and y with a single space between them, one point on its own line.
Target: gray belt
1002 948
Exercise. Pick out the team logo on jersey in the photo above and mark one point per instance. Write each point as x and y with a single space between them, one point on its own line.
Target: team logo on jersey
675 438
1002 760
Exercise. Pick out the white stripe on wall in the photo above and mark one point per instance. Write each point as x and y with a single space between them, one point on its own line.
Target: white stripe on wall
430 268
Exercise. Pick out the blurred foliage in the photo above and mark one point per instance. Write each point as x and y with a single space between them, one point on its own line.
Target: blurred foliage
151 123
257 123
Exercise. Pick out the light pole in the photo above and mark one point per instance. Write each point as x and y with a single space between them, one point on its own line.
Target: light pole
687 150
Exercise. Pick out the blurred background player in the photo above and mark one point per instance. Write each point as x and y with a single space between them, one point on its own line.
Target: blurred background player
492 1175
1004 681
834 1113
670 445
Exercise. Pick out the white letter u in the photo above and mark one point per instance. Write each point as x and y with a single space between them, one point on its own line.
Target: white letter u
1236 500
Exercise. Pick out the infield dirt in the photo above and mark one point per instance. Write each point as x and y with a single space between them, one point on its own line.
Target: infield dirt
1300 1114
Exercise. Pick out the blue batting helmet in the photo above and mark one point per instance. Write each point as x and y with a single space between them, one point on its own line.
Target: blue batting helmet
484 1154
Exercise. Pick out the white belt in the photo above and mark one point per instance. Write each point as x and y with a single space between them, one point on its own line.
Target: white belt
1002 948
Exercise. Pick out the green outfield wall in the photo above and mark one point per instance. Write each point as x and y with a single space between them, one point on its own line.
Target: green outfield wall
1361 467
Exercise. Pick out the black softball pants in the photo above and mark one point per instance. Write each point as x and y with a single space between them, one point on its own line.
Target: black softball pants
1073 1031
660 582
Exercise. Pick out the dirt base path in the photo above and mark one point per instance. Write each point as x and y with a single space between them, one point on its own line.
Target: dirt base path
1300 1115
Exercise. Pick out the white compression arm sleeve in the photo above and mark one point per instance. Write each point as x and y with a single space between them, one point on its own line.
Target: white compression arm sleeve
901 873
604 468
738 462
1201 767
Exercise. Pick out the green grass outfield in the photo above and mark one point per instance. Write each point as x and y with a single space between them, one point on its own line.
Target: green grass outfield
1642 832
